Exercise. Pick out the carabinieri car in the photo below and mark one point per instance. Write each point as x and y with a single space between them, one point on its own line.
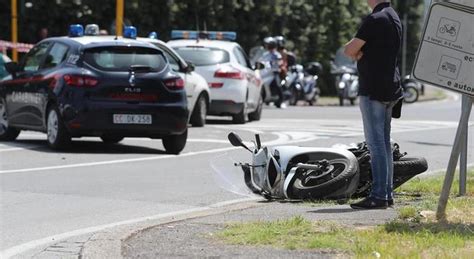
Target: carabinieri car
94 86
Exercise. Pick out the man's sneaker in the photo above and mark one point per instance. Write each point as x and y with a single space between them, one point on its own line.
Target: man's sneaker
370 203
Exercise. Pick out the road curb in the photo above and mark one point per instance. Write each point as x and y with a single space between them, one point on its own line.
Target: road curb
108 243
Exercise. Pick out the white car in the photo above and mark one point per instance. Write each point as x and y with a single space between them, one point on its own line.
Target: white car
197 89
236 88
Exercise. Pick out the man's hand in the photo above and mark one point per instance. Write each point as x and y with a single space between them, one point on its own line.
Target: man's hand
353 48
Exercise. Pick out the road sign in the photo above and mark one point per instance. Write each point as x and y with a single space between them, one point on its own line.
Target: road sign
445 57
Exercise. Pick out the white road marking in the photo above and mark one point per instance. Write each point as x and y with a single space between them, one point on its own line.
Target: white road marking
282 139
16 250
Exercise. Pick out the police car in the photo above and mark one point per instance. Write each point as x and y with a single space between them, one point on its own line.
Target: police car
93 86
196 86
236 88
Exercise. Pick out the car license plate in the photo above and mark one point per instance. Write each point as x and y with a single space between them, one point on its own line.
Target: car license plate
132 119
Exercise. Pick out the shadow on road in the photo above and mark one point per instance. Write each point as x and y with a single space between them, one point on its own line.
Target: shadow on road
334 210
85 147
431 144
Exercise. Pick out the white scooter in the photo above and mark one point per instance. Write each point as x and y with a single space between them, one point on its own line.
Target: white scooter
314 173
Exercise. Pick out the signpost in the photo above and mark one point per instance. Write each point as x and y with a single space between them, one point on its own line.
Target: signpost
445 58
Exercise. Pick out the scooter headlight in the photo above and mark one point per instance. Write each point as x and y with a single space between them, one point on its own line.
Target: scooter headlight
346 76
342 85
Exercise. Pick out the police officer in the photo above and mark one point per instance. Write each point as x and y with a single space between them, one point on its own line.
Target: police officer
275 59
288 57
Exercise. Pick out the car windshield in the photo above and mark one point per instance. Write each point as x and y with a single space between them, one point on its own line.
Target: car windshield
202 56
122 58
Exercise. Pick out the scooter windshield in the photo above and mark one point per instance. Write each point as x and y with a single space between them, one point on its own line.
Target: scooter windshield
342 60
229 176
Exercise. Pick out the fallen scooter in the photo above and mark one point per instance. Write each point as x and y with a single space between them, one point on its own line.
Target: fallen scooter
313 173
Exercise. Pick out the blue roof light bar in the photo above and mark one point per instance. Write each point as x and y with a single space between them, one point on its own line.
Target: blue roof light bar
211 35
130 32
76 30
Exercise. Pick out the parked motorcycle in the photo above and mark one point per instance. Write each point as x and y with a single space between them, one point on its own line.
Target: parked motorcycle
275 88
302 83
344 70
411 89
299 173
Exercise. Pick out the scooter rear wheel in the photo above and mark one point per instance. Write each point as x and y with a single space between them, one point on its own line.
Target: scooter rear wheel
403 170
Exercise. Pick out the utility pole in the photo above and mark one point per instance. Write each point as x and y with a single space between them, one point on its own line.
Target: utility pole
14 29
119 18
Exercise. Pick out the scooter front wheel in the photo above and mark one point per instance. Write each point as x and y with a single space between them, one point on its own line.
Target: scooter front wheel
338 179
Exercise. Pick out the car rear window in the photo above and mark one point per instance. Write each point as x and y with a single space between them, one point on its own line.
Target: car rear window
202 56
122 58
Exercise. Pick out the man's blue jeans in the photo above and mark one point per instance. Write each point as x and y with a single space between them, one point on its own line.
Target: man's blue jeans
377 118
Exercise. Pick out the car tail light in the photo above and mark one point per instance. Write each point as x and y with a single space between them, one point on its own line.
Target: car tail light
174 84
80 80
229 73
216 85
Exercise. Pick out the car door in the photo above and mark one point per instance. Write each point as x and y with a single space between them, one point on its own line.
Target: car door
22 96
253 88
56 55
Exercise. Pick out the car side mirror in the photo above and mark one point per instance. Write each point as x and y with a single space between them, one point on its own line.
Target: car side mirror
258 65
189 68
12 68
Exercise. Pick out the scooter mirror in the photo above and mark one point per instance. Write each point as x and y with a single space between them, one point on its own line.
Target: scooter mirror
236 141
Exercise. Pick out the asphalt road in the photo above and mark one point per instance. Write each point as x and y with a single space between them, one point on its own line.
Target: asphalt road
47 195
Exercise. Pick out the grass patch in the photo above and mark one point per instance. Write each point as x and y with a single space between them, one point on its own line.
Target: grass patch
415 234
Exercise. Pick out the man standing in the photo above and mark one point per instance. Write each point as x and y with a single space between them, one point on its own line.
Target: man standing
376 47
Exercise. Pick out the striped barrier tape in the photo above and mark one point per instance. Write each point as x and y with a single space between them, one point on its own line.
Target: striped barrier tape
20 47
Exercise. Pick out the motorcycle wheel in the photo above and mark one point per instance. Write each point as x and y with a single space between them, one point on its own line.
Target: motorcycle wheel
403 170
407 168
411 93
294 97
352 100
341 100
339 180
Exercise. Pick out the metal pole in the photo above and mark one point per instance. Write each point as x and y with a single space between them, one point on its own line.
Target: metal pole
463 158
460 136
119 18
14 30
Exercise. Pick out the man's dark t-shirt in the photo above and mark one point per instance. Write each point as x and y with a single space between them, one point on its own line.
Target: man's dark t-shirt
379 77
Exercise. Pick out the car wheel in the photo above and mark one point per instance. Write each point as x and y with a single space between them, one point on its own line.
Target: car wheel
239 118
57 135
6 133
257 114
111 139
174 144
198 117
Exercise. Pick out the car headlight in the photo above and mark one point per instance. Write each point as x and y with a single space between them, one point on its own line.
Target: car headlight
342 85
346 76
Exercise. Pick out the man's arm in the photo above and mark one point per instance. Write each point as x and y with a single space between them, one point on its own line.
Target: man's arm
353 48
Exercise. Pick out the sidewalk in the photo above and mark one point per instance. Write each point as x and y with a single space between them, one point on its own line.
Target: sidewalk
431 93
194 238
